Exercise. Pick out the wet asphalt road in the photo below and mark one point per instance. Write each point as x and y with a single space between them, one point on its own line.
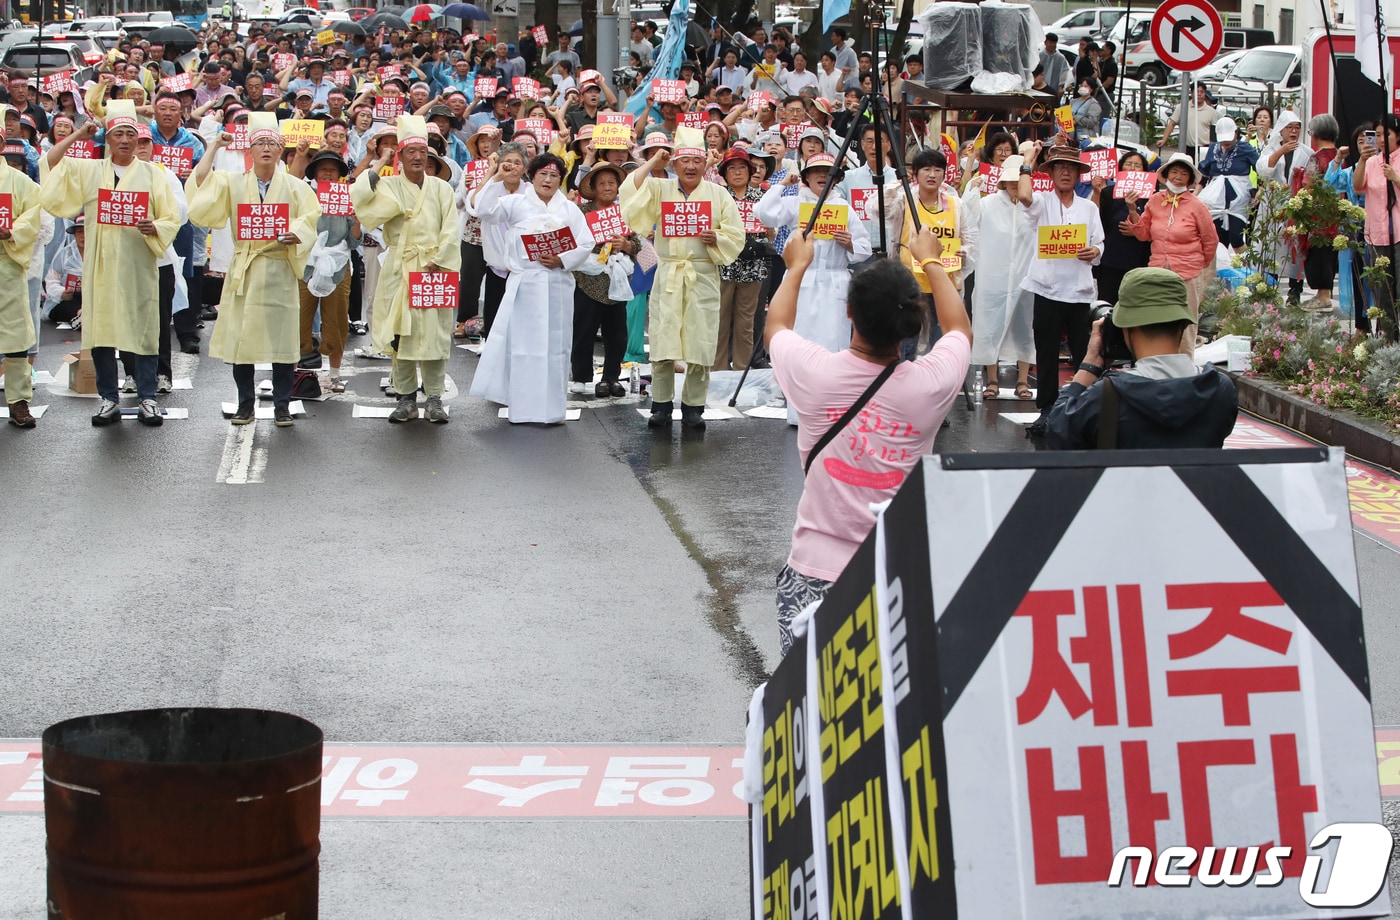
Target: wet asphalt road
592 582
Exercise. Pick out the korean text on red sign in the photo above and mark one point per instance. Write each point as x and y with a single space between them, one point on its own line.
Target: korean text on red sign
262 221
335 199
390 70
122 209
668 90
388 108
178 83
7 213
476 171
172 157
685 218
1143 183
525 88
484 88
696 120
281 62
606 223
343 78
541 35
863 201
751 222
82 150
1102 163
432 290
539 245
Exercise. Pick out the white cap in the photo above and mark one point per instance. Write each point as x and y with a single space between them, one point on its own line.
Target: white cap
1011 169
1226 130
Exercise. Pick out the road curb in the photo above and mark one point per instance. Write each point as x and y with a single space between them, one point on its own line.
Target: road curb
1363 439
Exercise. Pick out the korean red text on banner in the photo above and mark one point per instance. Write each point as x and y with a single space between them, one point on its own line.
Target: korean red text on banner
668 90
953 176
335 199
476 171
178 83
122 209
606 223
1041 182
343 78
262 221
484 88
7 213
760 97
1102 163
746 214
589 76
864 202
613 131
541 35
1143 183
539 245
72 282
296 130
82 150
432 290
172 157
685 218
240 137
281 62
59 83
791 133
525 88
387 108
387 71
991 177
541 128
696 120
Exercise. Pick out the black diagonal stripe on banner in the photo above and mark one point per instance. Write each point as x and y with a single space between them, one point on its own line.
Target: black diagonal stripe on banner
1271 544
995 587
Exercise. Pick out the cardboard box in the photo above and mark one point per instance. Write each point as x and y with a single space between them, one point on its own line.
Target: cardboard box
82 376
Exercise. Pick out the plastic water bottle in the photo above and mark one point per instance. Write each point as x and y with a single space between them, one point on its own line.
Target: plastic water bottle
977 387
632 380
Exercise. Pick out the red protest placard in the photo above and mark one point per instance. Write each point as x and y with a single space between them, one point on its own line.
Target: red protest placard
589 76
7 213
751 222
82 150
122 209
863 199
389 70
953 175
178 83
1101 162
281 62
1041 182
476 171
240 138
72 282
59 83
668 90
760 97
262 221
685 218
388 108
606 223
432 290
485 87
335 199
696 120
791 133
525 88
539 245
541 35
541 128
1144 183
172 157
991 177
343 78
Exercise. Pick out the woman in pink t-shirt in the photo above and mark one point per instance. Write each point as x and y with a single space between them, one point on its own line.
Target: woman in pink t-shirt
870 456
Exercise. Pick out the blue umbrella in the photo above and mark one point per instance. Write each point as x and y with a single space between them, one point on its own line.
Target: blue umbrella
467 11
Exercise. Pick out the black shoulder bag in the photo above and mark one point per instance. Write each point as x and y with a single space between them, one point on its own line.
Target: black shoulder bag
851 413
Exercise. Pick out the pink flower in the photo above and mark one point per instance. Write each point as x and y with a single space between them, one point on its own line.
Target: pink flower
1339 349
1277 354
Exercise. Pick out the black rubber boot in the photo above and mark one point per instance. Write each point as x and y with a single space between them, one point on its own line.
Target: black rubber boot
660 414
693 417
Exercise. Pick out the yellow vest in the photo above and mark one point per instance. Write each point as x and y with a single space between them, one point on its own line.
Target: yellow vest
943 223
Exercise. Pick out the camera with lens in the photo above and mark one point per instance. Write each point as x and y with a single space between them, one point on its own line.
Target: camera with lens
1114 346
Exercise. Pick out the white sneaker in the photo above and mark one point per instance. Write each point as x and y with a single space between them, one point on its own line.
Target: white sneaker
576 388
129 384
163 385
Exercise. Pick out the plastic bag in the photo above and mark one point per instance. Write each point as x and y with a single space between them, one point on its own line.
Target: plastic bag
952 44
1011 39
987 82
619 278
325 262
760 388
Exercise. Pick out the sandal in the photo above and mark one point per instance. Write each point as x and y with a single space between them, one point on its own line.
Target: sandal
1023 390
991 391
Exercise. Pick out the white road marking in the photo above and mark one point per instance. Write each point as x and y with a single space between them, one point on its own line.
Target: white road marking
243 461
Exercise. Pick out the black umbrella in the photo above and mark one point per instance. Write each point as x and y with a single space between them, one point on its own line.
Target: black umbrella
299 17
173 37
295 27
384 21
466 11
576 29
348 28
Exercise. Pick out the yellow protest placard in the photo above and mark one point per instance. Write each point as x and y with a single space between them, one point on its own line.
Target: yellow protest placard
295 130
326 38
951 257
612 135
1064 117
831 219
1062 241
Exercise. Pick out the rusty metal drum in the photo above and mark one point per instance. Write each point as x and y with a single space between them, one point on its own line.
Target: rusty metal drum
180 814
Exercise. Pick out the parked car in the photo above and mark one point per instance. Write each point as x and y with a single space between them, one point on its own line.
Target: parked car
1090 22
48 57
1143 63
1258 69
1215 70
106 28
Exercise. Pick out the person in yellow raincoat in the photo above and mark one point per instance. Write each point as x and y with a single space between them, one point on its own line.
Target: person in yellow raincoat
17 332
685 295
419 217
121 283
259 314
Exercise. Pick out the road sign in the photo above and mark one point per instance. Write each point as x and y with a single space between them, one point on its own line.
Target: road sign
1186 34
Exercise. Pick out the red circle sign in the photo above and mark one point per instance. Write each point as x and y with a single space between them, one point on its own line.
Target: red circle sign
1186 34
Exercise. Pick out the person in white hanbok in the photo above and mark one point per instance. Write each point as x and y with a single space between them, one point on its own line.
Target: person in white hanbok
1001 309
821 301
525 364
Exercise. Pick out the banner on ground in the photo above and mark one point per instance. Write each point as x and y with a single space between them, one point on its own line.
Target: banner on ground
1055 738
